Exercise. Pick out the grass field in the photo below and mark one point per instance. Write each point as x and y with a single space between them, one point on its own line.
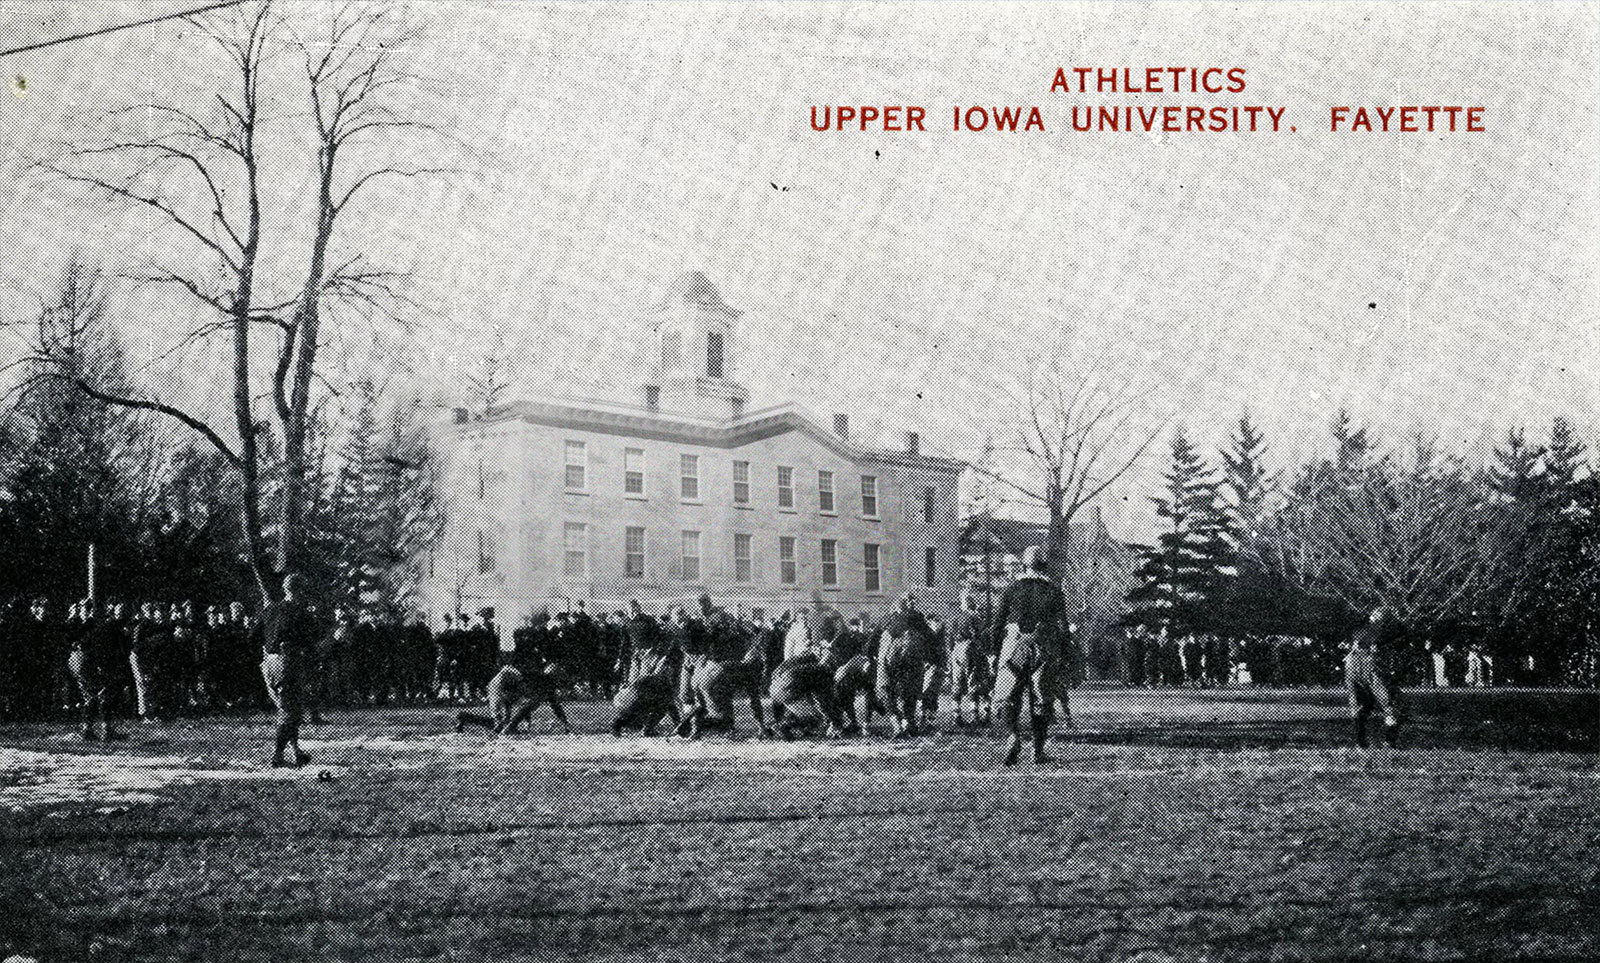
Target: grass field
1175 826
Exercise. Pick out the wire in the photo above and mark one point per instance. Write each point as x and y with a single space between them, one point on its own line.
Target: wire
120 26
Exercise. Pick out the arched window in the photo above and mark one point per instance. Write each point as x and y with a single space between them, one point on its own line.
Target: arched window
714 354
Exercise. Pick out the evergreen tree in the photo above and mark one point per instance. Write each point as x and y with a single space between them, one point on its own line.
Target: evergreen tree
1558 628
379 511
1181 576
1257 602
1352 446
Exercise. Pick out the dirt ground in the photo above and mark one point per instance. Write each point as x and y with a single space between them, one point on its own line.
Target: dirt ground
1174 826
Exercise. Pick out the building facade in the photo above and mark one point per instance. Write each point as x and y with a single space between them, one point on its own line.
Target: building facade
683 491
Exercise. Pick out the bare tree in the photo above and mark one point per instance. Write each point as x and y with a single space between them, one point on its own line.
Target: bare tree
199 171
1077 433
1418 535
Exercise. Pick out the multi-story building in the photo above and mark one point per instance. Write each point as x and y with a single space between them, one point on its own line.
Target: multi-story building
684 492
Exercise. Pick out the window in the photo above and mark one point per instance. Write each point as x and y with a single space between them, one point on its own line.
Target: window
869 495
928 557
575 541
486 553
691 557
577 465
633 552
927 507
633 471
741 483
786 567
825 491
671 347
714 354
785 487
830 562
689 471
742 564
869 556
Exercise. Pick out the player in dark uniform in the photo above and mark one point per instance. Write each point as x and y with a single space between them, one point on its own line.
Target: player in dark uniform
802 697
97 661
643 703
731 664
513 696
288 634
902 658
1029 627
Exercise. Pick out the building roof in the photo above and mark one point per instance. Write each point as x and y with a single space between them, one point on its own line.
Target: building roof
632 421
1013 535
695 288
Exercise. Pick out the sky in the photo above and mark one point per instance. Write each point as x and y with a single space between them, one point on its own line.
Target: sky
1444 283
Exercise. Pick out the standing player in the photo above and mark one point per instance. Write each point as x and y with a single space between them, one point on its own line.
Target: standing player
969 669
1029 627
288 634
1365 682
902 658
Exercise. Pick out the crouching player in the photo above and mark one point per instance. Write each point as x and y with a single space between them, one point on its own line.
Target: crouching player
644 702
802 697
732 664
513 697
1365 682
851 681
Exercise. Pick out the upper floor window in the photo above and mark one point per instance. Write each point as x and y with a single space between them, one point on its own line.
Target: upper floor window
741 483
577 465
927 506
785 487
825 491
633 471
689 474
869 495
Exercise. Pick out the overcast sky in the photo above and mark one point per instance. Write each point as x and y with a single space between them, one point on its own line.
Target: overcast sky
904 277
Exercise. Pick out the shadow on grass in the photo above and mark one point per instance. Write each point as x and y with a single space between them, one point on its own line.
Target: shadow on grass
1494 719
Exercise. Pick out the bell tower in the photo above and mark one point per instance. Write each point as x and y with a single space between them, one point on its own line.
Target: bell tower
696 353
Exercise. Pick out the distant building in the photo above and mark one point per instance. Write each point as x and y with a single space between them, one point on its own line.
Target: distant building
1097 576
682 491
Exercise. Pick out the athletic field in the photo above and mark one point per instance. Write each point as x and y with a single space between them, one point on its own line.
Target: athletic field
1175 826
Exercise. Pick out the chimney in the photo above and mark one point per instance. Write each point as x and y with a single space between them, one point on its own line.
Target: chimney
912 443
652 397
841 425
460 415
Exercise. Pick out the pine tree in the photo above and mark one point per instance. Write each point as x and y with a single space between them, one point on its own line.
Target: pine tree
1257 602
1353 445
1559 625
1181 576
380 511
